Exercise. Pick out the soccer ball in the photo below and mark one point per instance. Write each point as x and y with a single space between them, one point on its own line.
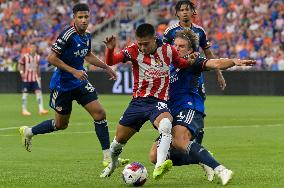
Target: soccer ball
134 174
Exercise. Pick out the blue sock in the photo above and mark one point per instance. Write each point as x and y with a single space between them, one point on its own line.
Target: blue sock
44 127
101 129
180 158
198 139
200 153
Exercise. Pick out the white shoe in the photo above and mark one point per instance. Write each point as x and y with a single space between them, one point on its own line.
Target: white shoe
209 172
26 138
109 170
225 175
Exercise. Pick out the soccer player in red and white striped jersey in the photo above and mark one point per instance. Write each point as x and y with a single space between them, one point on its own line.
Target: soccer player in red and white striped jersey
30 74
150 64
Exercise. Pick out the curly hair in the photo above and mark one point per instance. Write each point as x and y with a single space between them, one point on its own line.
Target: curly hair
185 2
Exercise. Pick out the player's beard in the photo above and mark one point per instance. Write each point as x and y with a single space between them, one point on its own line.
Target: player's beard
83 27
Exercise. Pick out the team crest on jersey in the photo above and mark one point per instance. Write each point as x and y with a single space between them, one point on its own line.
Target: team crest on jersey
158 62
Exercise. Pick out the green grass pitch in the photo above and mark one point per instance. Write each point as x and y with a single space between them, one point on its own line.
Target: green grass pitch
246 134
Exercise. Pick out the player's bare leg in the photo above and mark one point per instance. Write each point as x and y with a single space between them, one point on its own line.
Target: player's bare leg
164 125
59 123
123 134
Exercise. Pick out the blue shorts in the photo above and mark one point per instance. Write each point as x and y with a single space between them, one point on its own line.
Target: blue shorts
141 110
191 119
28 87
61 101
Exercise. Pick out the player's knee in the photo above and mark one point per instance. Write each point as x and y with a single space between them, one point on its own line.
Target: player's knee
179 143
100 114
165 126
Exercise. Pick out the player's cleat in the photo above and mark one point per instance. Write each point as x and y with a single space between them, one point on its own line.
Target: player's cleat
106 162
225 176
209 172
26 113
43 112
121 162
26 139
160 171
109 170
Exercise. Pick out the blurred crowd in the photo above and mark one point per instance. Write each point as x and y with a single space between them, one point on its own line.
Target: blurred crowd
239 28
236 28
40 22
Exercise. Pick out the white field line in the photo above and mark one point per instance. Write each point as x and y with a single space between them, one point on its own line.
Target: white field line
149 130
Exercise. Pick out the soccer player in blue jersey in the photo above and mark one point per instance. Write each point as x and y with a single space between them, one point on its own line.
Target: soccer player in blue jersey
70 82
187 108
185 9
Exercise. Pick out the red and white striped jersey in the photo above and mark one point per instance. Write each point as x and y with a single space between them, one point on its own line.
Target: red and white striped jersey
30 70
151 72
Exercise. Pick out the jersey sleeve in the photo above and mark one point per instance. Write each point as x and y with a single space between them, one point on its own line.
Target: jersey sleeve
90 46
199 65
125 55
130 53
203 40
167 37
61 43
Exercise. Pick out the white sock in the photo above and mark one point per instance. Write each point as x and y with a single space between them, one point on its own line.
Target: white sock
24 101
115 150
106 153
219 168
165 128
28 132
39 100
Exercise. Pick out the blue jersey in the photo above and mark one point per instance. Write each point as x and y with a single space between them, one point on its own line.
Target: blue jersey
71 47
169 36
185 87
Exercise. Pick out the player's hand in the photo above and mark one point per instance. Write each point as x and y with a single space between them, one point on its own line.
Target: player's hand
80 74
192 57
245 62
110 42
221 80
112 73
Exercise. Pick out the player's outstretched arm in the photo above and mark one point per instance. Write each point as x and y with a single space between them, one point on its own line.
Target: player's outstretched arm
55 61
224 63
94 60
221 80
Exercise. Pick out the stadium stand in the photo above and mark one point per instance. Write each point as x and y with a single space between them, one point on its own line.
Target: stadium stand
240 28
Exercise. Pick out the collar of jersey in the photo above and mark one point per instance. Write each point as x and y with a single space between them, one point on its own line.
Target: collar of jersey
190 27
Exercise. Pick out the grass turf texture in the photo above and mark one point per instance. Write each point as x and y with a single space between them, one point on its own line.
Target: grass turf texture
244 133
